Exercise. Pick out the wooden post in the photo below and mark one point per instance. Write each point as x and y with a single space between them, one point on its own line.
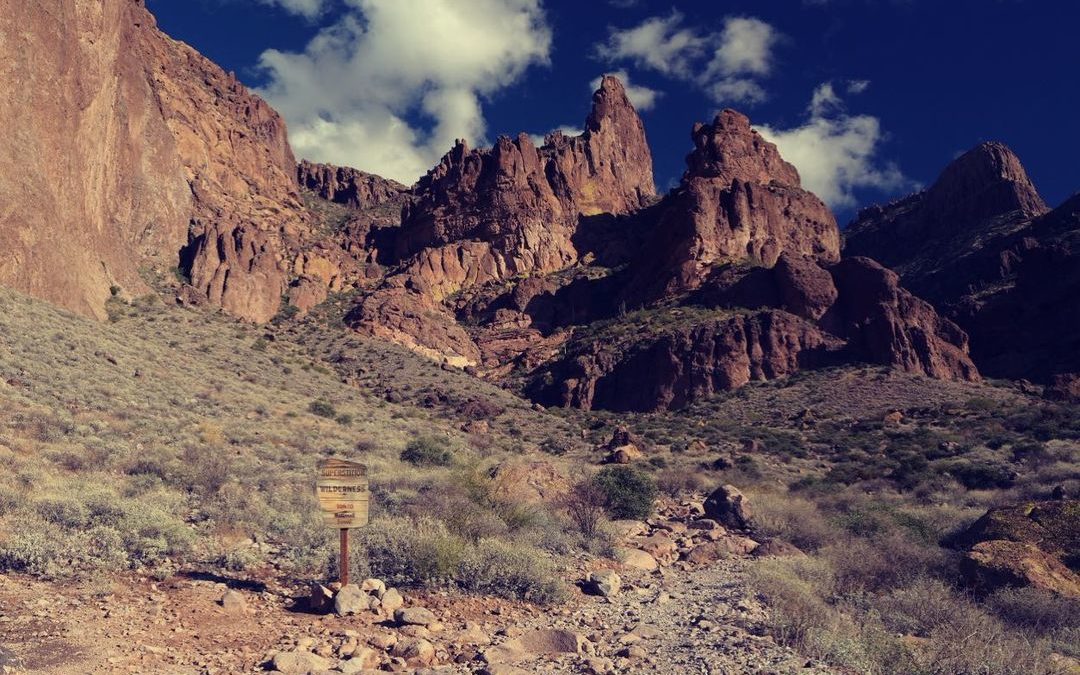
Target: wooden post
344 568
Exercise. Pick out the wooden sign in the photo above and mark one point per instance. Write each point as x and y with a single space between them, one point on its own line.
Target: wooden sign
342 490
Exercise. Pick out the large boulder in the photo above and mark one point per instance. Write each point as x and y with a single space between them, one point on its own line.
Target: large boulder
1030 544
727 505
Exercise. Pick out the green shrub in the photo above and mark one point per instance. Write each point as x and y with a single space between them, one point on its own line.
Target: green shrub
628 492
322 409
427 451
424 552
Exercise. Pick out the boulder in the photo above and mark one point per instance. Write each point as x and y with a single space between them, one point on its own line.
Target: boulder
233 601
414 616
637 559
727 505
299 662
991 565
603 582
416 652
351 600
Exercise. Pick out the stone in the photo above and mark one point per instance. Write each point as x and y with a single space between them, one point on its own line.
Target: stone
637 559
392 601
416 652
628 528
375 587
351 600
416 616
233 601
727 505
604 583
299 662
991 565
776 548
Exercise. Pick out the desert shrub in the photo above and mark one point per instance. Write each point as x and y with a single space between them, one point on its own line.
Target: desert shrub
424 552
322 409
585 506
794 519
979 475
427 451
628 492
509 570
1037 613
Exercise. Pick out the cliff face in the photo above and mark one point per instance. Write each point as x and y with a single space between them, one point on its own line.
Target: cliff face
137 147
89 171
981 244
738 200
143 158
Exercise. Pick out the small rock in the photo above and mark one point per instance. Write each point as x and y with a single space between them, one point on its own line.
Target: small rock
604 583
392 601
233 601
374 586
351 600
299 662
416 616
728 506
637 559
415 651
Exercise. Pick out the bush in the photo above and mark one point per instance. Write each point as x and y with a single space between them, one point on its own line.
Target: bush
322 409
628 492
585 506
427 451
424 552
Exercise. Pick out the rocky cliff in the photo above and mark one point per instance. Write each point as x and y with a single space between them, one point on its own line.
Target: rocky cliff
737 200
167 161
981 244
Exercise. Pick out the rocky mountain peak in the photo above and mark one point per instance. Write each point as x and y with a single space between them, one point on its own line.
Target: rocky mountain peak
348 186
987 181
730 149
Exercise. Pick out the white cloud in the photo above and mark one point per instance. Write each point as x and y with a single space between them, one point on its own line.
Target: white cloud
642 97
658 43
745 47
727 65
310 9
835 152
350 95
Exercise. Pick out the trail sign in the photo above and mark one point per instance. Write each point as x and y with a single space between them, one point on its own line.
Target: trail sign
342 490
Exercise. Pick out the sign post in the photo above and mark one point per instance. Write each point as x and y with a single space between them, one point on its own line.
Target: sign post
343 494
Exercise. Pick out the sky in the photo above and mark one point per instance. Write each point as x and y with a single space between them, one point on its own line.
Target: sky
869 99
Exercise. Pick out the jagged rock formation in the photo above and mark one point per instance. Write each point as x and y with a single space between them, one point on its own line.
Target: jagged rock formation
738 200
505 259
982 246
351 187
484 216
768 323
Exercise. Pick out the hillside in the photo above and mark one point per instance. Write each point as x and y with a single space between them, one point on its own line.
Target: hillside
177 445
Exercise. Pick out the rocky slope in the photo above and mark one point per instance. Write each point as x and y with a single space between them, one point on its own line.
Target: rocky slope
981 244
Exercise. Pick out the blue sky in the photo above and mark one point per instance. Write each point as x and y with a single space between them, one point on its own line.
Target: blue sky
869 98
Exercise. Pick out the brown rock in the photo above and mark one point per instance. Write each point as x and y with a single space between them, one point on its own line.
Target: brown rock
348 186
1064 387
990 565
886 324
727 505
738 200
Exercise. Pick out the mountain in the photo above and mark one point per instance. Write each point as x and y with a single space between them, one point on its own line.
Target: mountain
516 261
981 244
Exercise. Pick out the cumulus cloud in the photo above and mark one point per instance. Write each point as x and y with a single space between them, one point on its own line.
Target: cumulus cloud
836 152
727 65
351 97
310 9
641 96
